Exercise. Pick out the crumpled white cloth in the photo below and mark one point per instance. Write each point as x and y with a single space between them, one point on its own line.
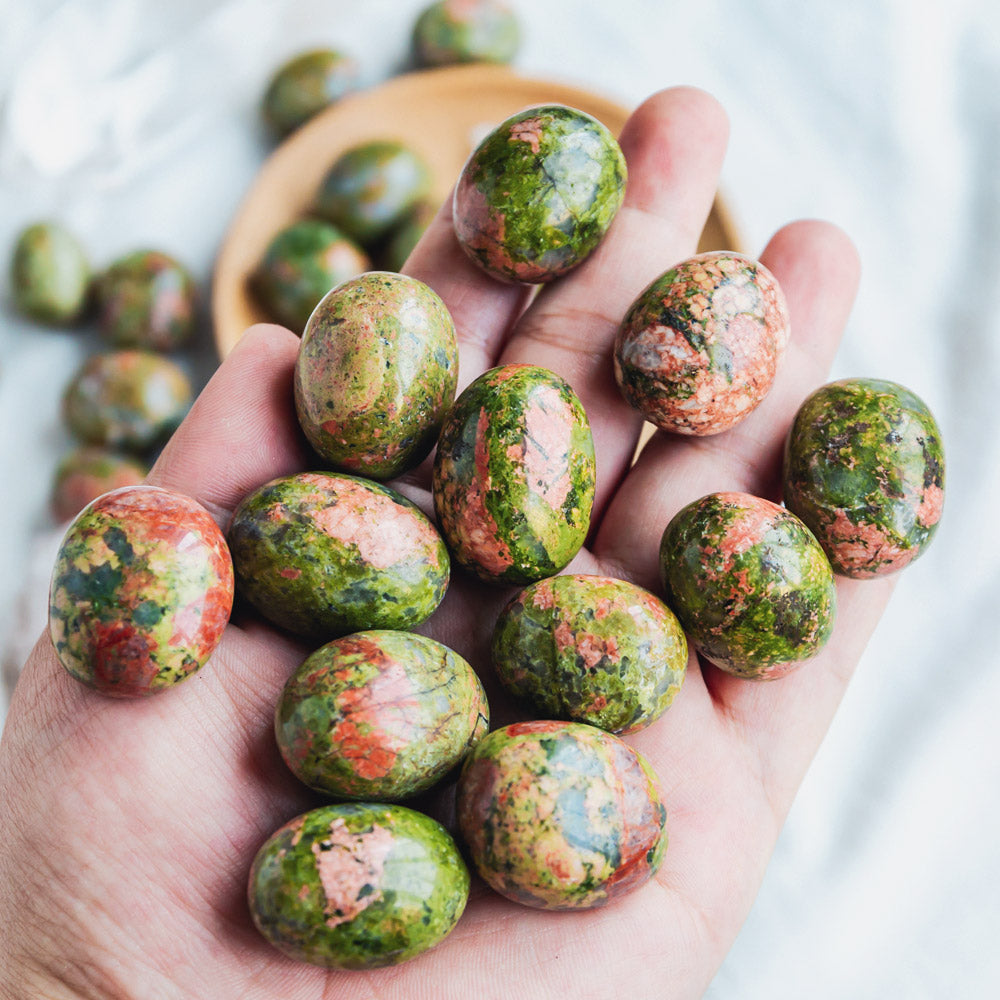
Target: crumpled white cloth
135 123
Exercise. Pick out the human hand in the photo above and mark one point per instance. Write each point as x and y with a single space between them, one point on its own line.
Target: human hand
127 828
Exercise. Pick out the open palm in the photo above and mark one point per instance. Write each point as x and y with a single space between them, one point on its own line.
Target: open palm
127 828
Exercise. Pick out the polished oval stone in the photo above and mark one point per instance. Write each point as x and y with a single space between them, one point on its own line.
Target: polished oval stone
371 188
324 555
376 373
699 348
379 715
49 274
464 31
141 591
560 815
86 473
358 886
514 475
538 194
749 583
864 469
590 649
147 299
306 84
300 265
131 400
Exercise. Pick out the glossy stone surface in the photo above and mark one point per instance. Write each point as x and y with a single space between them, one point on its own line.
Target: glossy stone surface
324 555
49 274
305 85
376 374
357 886
380 715
591 649
538 194
463 31
301 264
864 469
749 583
561 816
699 348
86 473
514 475
371 188
141 591
126 399
147 299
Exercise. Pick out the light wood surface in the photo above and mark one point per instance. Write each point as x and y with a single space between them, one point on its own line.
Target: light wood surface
441 113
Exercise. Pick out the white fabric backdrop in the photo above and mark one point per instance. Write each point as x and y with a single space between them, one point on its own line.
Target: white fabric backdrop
135 123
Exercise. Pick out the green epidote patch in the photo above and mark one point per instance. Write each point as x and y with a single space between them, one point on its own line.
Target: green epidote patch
514 475
358 886
126 399
699 348
538 194
463 31
591 649
147 299
301 264
749 583
323 555
380 715
376 373
560 815
304 86
141 591
49 274
864 468
371 188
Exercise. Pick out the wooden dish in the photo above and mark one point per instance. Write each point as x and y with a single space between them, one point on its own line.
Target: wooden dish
441 113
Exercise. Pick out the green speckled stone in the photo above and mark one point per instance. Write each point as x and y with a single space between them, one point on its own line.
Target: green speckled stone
463 31
864 468
514 475
560 815
749 583
147 299
323 555
538 194
371 188
141 592
591 649
699 348
358 886
126 399
376 374
86 473
49 274
301 264
305 85
380 715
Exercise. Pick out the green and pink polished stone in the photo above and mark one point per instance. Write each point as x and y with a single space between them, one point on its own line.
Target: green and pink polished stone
147 299
86 473
514 475
591 649
561 815
358 886
323 555
376 373
699 348
379 715
464 31
749 582
538 194
306 84
141 591
864 469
